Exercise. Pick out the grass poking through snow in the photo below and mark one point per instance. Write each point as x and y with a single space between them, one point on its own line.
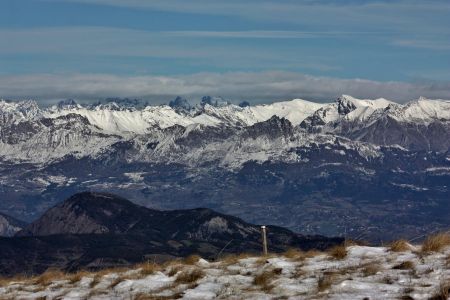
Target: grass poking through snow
338 252
400 246
436 243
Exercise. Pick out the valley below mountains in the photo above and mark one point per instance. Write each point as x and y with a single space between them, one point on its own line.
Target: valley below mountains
364 169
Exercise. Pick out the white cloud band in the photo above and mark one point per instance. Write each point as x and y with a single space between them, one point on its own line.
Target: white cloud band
256 86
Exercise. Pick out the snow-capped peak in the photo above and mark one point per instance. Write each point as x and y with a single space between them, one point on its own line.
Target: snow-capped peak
375 104
67 104
14 112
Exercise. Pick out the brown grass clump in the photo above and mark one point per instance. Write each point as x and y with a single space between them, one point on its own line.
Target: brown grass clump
232 259
325 282
262 260
387 280
294 254
102 273
191 259
406 265
436 243
4 281
76 277
174 270
400 246
371 269
443 292
143 296
338 252
95 281
312 253
118 280
148 268
189 276
349 243
49 276
263 279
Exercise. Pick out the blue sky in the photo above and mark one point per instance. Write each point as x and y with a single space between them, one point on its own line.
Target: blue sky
260 51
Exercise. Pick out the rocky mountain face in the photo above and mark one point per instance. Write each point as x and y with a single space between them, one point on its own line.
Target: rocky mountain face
95 230
349 167
9 226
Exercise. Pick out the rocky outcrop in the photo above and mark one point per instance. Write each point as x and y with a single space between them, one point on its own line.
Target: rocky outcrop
9 226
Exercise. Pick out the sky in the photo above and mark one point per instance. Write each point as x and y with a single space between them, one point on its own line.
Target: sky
255 50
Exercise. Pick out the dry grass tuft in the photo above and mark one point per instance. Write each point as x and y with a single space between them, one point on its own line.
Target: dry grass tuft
76 277
406 265
97 278
49 276
4 281
277 271
294 254
299 272
191 260
148 268
400 246
325 282
338 252
173 270
117 280
144 296
189 276
263 279
387 280
232 259
312 253
443 293
349 243
102 273
436 243
371 269
262 260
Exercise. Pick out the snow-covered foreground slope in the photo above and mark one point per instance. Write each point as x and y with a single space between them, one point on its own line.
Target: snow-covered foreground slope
356 273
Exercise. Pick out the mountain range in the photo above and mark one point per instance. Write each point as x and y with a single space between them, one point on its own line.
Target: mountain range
97 230
352 167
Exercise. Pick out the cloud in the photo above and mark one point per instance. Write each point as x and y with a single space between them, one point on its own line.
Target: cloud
259 87
423 44
121 42
412 16
258 34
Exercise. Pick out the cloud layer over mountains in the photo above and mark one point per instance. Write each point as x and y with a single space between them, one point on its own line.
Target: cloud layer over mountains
258 87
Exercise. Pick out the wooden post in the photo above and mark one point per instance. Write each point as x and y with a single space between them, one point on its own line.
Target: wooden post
264 239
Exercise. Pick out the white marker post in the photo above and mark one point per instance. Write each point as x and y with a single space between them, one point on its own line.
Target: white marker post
264 239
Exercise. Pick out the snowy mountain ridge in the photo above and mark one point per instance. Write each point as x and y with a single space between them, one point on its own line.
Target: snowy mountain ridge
116 118
218 130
